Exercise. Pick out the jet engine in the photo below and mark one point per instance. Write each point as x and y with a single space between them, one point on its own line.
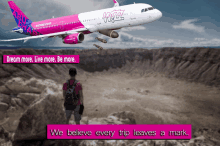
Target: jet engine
73 38
109 33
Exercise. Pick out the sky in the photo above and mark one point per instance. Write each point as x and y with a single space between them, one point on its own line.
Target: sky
185 23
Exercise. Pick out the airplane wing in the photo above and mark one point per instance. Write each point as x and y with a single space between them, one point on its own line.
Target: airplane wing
48 35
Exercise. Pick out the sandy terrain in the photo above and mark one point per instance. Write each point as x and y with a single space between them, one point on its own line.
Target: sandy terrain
155 99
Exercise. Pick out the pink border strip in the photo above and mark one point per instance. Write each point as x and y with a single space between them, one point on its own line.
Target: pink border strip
40 58
118 131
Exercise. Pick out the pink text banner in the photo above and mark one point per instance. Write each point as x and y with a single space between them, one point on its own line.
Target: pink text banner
119 131
40 58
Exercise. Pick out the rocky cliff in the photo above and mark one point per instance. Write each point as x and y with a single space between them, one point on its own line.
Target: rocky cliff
30 94
45 107
192 64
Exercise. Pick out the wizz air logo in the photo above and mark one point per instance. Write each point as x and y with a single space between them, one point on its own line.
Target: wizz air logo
24 23
113 16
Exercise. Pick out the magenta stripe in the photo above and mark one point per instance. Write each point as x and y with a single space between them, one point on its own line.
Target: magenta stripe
13 6
58 24
40 58
87 32
71 39
119 131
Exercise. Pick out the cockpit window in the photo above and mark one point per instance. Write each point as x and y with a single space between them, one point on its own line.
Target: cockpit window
147 9
151 8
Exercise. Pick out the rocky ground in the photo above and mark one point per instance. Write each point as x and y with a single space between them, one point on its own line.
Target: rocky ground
191 64
161 86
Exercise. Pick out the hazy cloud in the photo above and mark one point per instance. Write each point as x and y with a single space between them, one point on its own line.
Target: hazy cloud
189 25
133 28
126 40
80 6
200 39
41 10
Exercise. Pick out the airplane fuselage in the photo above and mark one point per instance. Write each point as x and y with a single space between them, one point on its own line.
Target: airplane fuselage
110 18
72 28
118 17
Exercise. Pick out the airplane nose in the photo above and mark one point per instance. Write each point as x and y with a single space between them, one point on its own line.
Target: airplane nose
159 14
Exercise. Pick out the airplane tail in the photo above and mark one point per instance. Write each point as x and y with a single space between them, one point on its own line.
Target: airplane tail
20 18
116 3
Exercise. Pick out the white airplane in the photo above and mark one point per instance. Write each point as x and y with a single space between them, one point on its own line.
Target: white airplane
72 28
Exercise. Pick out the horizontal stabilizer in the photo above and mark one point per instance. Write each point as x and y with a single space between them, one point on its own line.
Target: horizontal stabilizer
42 39
20 18
25 41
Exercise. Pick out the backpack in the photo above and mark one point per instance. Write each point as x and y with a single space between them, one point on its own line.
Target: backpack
71 97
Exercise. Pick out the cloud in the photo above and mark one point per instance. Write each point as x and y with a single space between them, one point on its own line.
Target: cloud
133 28
126 40
84 5
8 45
200 39
41 10
189 25
10 32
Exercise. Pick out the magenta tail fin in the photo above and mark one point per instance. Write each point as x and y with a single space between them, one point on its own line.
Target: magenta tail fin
20 18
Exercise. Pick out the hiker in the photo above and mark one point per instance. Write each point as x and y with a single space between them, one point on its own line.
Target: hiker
73 97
